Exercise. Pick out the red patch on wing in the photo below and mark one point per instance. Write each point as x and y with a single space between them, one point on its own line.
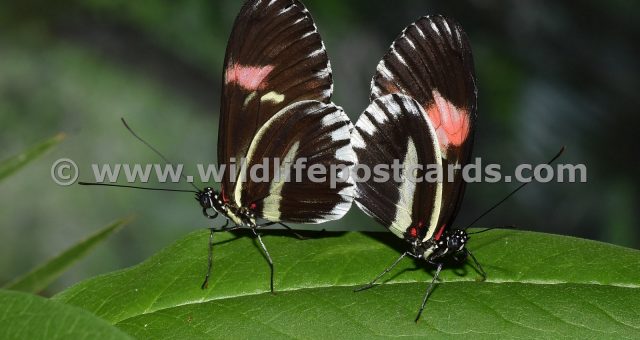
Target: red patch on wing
450 122
225 199
413 232
250 78
252 206
439 233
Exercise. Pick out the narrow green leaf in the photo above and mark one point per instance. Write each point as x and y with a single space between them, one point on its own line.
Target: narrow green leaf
25 316
12 164
39 278
538 285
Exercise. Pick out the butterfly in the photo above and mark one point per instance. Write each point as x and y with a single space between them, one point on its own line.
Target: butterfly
422 112
276 104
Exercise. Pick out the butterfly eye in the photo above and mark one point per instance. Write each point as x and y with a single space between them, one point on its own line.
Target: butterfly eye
204 201
205 197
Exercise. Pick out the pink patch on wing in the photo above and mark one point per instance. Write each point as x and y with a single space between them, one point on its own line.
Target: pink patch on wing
250 78
450 122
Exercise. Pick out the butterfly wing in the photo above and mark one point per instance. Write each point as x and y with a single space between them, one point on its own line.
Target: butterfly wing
395 127
309 134
431 62
275 57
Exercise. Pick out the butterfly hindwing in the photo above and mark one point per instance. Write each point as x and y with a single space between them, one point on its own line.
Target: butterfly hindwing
275 57
431 62
309 133
395 127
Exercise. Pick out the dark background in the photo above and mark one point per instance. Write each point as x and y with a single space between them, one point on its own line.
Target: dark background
549 73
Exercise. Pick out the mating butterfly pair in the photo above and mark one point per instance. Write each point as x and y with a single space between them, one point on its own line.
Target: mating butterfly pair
276 103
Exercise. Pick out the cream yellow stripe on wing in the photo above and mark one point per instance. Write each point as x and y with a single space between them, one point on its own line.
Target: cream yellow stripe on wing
437 202
271 204
404 207
252 150
407 189
274 97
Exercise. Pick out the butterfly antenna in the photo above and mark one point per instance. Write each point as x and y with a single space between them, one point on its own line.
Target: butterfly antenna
511 194
491 228
156 151
134 187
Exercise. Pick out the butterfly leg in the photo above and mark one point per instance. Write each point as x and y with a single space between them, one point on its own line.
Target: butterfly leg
266 252
372 283
298 236
205 213
475 261
429 289
205 284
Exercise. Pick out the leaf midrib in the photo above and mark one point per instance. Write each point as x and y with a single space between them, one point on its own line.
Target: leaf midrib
320 287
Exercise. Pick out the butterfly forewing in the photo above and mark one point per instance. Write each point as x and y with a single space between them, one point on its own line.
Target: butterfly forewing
431 62
309 133
395 127
275 57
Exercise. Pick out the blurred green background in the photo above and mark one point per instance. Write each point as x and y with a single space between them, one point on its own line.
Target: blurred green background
549 74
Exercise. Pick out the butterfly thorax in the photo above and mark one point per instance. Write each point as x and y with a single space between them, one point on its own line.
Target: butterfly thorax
242 216
210 199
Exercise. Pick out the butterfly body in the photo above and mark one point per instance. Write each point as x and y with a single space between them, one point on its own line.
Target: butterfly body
276 106
449 243
423 114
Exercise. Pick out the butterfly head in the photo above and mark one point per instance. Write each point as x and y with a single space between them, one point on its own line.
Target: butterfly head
210 199
457 240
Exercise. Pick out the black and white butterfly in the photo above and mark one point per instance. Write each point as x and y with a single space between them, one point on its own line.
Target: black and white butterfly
276 103
422 112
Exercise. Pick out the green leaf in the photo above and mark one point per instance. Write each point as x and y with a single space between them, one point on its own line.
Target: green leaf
12 164
39 278
538 285
25 316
